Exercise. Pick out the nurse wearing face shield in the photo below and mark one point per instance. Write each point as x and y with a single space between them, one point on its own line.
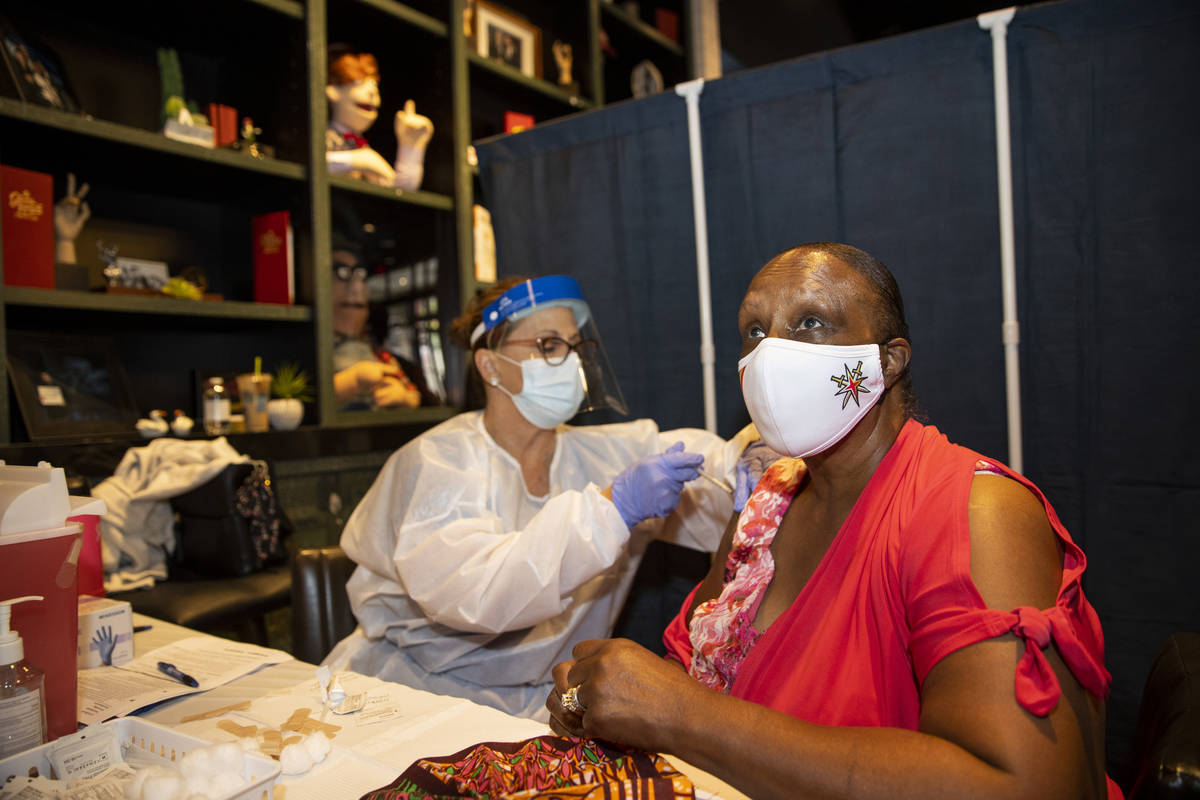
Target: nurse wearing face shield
493 543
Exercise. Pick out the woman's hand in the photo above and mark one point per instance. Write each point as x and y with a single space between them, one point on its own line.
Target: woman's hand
629 694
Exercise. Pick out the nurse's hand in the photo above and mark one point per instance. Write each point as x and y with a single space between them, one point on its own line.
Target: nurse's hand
628 694
651 487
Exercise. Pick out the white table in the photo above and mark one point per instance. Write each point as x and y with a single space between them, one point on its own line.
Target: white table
438 725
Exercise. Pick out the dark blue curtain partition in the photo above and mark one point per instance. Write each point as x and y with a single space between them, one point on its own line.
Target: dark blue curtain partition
891 146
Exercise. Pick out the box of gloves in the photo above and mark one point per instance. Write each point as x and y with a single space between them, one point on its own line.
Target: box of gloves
105 632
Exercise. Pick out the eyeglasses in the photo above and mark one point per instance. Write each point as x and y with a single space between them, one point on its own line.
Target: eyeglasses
345 273
555 349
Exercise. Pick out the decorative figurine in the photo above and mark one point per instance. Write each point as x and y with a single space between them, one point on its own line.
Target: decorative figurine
70 214
108 254
353 92
248 142
154 426
182 121
182 424
469 20
645 80
562 57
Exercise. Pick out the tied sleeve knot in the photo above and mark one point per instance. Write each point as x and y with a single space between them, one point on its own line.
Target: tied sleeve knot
1037 686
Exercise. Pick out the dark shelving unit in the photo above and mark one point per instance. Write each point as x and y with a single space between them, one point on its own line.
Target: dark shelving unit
190 206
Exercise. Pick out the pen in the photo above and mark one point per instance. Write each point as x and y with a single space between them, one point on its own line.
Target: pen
141 628
716 480
173 671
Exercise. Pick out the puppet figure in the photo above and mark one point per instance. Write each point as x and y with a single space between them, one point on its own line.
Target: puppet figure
353 92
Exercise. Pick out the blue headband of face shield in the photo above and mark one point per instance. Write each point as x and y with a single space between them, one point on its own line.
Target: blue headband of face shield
525 298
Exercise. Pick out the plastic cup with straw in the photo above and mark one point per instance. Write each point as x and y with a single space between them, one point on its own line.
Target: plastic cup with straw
255 390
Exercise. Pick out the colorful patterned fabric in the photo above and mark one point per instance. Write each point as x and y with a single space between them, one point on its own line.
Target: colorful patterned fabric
545 767
722 630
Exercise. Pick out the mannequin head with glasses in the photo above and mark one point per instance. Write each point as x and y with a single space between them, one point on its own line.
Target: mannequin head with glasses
349 291
365 377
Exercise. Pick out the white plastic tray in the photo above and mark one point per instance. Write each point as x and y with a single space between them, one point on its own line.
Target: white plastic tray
165 743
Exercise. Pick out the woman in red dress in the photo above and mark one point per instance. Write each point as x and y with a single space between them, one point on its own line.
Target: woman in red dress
892 615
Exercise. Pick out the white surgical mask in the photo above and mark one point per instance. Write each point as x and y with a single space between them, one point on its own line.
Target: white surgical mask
804 398
549 395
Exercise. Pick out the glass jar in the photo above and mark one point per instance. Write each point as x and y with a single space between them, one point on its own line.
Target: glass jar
217 407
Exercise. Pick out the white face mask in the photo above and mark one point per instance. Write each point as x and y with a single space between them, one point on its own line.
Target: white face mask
549 395
804 398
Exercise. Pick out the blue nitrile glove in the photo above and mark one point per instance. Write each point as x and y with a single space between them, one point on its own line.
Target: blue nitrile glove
750 467
651 487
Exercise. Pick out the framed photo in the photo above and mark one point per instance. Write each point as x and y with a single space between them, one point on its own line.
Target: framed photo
504 37
69 386
35 70
137 273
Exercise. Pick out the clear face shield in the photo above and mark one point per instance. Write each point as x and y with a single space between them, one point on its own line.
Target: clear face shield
553 337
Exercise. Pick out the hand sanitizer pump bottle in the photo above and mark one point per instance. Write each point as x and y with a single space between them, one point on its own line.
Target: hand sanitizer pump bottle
22 701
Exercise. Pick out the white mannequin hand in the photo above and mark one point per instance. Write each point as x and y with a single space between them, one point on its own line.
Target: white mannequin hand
412 129
70 214
413 132
362 160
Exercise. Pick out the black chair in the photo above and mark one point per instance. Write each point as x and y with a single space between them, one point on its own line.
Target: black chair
321 614
240 604
215 581
1166 749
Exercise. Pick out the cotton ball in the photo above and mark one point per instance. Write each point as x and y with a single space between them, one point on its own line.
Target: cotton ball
318 746
163 787
226 783
227 757
294 760
135 790
199 786
197 763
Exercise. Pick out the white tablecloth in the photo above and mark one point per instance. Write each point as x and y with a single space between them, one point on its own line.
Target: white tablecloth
438 725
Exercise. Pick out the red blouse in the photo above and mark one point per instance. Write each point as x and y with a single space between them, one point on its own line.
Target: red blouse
893 596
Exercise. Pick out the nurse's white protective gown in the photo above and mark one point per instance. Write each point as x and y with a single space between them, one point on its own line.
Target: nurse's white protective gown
468 585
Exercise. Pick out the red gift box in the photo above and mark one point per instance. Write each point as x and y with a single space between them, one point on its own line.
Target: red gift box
274 280
28 227
515 122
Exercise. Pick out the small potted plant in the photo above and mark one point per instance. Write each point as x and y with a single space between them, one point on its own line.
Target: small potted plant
291 390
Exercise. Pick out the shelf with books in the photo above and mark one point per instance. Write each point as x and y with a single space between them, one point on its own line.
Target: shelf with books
16 111
193 207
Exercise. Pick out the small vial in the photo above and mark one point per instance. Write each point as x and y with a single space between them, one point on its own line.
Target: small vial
216 407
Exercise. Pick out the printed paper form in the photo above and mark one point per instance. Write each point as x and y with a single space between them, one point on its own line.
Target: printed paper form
106 692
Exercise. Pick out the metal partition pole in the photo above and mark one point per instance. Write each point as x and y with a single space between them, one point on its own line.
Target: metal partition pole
690 92
997 23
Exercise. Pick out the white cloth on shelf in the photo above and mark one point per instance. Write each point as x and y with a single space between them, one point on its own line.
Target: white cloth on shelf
468 585
138 530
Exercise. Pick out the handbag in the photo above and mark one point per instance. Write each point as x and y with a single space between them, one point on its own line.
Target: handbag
230 526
